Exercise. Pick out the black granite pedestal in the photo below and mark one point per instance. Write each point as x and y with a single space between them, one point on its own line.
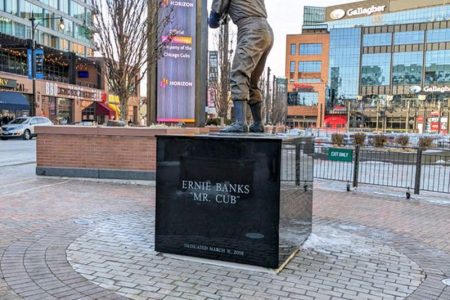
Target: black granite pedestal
242 199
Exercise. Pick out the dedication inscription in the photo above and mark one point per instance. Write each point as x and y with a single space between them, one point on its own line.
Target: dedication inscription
218 198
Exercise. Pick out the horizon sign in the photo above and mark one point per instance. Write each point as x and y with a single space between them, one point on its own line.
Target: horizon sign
176 68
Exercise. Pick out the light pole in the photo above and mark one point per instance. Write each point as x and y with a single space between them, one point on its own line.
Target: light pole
34 26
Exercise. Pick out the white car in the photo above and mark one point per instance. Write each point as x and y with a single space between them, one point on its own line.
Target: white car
23 127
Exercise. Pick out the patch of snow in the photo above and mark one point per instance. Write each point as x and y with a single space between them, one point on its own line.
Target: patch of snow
331 240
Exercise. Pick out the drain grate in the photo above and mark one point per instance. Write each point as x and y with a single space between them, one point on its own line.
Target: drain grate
446 281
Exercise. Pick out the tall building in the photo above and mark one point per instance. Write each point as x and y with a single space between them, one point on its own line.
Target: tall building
70 85
77 16
307 74
389 63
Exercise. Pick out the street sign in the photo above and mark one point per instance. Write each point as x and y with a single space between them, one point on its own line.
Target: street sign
338 154
39 59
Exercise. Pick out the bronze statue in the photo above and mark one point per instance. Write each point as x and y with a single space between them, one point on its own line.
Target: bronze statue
254 42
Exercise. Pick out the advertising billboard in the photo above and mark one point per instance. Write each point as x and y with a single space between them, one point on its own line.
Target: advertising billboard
176 70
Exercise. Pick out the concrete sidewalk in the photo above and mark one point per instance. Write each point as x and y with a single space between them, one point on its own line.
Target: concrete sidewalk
73 239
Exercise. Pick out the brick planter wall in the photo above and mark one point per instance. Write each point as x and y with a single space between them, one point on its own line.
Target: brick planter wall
100 152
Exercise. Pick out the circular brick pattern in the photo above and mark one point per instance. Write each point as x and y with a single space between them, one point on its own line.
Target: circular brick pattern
117 254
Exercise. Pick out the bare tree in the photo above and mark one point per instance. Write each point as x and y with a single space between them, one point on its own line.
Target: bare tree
279 101
122 30
223 40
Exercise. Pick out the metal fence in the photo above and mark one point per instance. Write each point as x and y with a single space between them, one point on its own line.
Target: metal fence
297 161
414 168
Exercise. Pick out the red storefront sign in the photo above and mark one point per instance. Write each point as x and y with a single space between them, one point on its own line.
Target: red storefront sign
335 121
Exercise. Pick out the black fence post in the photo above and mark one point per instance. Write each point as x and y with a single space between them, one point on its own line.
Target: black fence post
297 163
356 166
418 171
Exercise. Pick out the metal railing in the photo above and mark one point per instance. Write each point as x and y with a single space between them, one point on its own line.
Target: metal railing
414 168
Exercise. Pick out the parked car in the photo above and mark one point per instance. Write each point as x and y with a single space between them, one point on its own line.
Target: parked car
443 142
23 127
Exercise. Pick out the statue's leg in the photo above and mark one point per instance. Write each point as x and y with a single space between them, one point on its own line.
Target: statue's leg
252 43
256 97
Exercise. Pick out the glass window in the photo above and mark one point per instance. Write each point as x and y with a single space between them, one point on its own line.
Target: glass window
68 27
293 49
20 31
81 33
309 66
407 68
64 6
11 7
376 69
345 51
27 8
292 67
310 49
438 35
379 39
77 11
409 37
313 15
303 99
52 3
6 26
64 44
437 67
89 18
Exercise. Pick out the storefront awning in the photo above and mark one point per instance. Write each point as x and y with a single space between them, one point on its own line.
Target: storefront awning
13 101
335 120
103 110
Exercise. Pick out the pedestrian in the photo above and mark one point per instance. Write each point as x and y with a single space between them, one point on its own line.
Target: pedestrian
254 42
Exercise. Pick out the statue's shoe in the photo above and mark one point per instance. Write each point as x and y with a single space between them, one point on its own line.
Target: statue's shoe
256 128
236 127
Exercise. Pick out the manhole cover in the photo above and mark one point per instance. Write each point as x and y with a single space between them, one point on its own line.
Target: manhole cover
446 281
83 222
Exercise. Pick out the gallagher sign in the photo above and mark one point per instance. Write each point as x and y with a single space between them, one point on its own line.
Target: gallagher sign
337 13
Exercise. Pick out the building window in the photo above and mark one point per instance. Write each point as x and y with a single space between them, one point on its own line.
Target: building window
310 49
64 6
293 49
437 67
438 35
379 39
407 68
77 11
6 26
376 69
292 67
345 50
313 15
11 7
309 66
303 99
409 37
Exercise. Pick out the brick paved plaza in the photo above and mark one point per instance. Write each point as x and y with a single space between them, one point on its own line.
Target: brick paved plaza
73 239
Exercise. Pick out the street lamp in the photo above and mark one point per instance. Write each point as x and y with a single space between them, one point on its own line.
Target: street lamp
34 26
